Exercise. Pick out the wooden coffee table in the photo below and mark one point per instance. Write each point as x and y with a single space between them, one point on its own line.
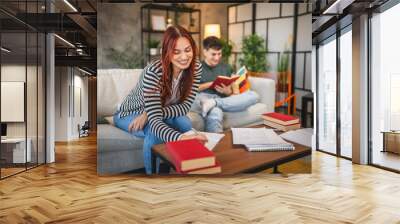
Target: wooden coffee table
235 159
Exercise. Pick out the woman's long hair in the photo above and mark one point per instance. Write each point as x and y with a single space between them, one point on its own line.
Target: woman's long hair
170 38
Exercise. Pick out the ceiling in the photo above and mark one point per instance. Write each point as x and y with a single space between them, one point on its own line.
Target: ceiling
330 15
72 20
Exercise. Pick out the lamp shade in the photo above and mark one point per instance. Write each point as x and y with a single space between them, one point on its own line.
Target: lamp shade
212 30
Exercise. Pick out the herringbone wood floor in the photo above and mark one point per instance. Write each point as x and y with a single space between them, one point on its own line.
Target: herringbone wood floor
69 191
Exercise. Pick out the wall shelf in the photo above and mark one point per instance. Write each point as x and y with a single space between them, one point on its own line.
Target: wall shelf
176 13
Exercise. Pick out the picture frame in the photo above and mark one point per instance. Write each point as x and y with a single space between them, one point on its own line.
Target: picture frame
158 23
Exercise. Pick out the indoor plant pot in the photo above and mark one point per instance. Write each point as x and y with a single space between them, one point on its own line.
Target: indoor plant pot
153 47
153 51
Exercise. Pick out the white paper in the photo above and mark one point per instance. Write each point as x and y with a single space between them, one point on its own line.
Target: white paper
300 136
213 138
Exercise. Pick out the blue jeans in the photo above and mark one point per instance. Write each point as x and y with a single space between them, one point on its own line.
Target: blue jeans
233 103
181 124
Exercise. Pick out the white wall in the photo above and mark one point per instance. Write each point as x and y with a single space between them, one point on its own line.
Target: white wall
70 83
79 117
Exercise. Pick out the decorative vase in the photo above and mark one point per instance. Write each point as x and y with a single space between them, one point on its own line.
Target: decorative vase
282 81
153 51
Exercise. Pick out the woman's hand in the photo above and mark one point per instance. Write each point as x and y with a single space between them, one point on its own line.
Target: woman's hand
202 138
138 123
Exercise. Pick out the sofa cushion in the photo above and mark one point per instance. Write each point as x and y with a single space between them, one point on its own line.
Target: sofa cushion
197 121
111 138
249 116
113 85
265 89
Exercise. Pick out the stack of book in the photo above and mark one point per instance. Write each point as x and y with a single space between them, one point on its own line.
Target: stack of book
192 157
280 121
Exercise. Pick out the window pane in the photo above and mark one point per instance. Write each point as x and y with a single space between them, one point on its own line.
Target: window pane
327 97
385 88
346 94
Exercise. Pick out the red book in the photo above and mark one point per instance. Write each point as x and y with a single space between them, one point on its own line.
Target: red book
279 118
207 170
223 80
282 127
189 155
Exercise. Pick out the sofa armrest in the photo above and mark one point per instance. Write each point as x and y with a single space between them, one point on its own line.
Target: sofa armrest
265 89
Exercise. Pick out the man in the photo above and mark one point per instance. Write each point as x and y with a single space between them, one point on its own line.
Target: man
211 103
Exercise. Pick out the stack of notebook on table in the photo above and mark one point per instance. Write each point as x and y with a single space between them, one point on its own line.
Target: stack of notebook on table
260 139
280 121
192 157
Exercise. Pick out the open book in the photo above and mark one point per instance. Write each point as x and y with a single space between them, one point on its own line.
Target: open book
260 139
228 80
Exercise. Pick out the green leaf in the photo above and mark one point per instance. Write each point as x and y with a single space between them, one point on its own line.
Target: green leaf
254 56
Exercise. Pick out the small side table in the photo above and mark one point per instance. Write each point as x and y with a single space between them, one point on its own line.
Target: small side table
391 141
305 100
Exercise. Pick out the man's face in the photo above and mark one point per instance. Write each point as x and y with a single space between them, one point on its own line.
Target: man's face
212 56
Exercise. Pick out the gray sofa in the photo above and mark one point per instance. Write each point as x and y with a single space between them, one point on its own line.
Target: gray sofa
118 151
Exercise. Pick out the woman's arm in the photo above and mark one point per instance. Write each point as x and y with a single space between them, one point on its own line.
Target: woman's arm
183 108
152 106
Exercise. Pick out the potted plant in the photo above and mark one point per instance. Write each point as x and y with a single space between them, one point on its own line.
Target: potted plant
153 45
283 72
254 58
226 50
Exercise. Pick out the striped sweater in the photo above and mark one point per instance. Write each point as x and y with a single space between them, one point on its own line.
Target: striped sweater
146 97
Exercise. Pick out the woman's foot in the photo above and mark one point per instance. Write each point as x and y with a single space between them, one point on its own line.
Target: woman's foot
206 106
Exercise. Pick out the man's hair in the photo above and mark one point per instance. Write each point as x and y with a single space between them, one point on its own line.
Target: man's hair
212 42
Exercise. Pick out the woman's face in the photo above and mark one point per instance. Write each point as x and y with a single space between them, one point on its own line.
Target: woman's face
182 54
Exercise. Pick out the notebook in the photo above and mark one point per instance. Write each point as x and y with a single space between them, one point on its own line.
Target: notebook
271 148
260 139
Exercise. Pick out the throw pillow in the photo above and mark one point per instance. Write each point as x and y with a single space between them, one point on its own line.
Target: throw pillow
243 83
101 120
109 119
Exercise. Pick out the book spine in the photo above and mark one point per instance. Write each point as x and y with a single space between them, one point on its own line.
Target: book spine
268 118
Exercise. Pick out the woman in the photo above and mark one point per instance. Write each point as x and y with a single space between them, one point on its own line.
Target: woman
156 108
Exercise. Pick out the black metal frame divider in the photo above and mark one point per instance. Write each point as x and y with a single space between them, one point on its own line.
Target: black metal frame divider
294 44
27 28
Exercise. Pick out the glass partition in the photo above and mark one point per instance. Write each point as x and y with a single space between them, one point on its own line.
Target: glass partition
22 88
13 109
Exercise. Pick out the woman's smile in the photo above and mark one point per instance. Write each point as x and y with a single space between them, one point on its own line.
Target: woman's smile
183 62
